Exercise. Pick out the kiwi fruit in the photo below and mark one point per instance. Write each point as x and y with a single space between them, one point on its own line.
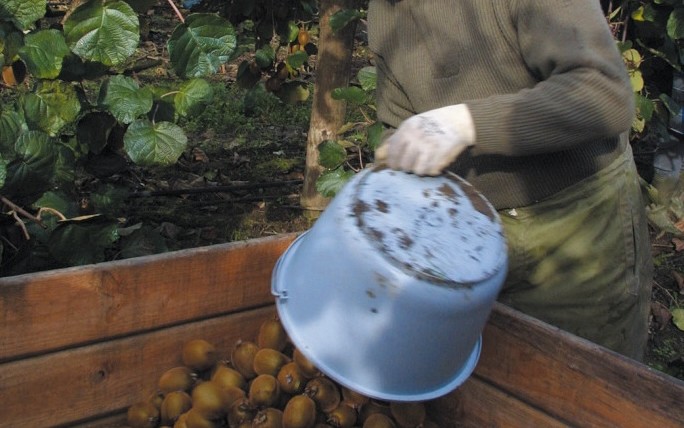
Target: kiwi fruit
305 365
179 378
269 361
408 414
156 398
195 419
299 412
379 420
272 334
291 379
242 358
228 376
324 392
241 412
181 422
343 416
372 407
264 391
175 404
269 417
212 400
142 415
199 355
353 398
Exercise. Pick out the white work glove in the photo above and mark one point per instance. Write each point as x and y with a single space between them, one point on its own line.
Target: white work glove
425 144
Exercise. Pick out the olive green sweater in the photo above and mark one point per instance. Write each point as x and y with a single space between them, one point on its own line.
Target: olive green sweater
544 81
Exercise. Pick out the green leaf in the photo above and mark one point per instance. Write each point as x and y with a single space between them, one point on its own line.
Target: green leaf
12 41
159 143
23 13
93 130
645 107
33 169
368 78
122 96
293 92
143 242
109 198
12 124
375 136
58 201
81 243
675 24
331 154
103 31
352 94
192 96
332 181
199 46
3 171
342 18
297 59
265 57
51 106
293 31
678 318
43 53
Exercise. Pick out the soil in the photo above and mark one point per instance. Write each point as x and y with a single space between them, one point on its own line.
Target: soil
226 188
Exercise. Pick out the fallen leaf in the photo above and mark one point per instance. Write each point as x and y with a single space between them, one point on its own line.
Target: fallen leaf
679 279
678 318
661 315
680 225
678 243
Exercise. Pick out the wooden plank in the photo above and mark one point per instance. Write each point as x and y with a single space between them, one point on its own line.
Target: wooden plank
478 404
66 387
69 307
574 379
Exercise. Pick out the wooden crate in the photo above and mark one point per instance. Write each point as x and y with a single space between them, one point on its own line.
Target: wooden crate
80 345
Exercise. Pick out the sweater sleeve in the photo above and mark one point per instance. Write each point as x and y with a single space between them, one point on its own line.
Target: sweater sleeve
583 92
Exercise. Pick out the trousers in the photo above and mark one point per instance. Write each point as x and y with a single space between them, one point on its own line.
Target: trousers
581 259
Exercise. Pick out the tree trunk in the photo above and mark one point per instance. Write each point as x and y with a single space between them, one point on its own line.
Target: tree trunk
333 69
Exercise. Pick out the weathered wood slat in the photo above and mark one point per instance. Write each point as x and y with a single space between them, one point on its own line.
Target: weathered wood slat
63 308
64 387
574 379
477 404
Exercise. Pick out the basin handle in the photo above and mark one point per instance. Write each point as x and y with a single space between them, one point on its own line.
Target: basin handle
277 291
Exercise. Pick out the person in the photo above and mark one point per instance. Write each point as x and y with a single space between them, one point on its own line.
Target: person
529 101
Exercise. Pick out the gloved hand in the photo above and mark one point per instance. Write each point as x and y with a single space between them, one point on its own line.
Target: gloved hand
427 143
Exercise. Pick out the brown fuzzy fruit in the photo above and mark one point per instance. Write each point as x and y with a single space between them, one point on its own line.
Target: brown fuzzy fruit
242 358
379 420
291 379
305 365
175 404
299 412
343 416
199 355
142 415
269 417
241 412
269 361
228 376
179 378
324 392
195 419
272 335
264 391
213 400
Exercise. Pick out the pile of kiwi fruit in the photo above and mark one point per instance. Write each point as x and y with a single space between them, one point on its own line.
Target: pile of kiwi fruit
263 383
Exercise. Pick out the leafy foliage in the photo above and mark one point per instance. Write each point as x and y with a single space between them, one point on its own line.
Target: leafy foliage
50 128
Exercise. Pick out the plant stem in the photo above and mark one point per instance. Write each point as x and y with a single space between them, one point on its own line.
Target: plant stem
175 9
